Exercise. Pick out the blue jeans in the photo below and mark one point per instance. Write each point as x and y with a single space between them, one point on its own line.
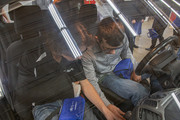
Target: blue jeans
125 88
137 27
41 112
178 54
155 85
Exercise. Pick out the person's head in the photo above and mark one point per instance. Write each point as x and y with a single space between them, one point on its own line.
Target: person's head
109 35
58 46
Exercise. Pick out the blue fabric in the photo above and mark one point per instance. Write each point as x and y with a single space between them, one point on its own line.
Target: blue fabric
155 85
125 88
137 27
153 34
124 68
41 112
73 109
178 54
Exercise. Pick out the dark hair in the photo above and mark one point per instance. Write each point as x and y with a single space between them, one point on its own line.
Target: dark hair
110 31
56 42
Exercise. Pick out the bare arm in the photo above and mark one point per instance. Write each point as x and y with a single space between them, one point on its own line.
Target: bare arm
5 13
126 53
93 96
91 76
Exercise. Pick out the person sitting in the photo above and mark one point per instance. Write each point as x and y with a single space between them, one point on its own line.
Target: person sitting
109 47
46 77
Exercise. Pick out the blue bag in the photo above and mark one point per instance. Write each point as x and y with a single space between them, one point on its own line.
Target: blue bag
124 68
152 34
73 109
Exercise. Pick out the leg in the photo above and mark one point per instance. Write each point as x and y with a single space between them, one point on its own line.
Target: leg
178 54
153 43
130 38
155 85
125 88
41 112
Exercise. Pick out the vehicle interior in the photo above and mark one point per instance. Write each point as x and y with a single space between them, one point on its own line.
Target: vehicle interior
26 24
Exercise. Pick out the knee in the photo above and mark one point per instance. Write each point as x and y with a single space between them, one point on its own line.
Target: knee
142 91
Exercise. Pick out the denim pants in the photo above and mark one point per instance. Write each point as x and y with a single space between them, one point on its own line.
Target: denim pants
41 112
178 54
125 88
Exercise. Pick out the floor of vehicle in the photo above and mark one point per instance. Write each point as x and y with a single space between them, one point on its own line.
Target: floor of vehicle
144 42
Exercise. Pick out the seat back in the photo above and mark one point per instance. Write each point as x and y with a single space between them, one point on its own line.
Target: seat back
68 10
28 23
88 17
31 42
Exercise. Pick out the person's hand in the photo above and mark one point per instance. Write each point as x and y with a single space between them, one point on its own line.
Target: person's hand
136 78
110 116
142 20
133 21
116 111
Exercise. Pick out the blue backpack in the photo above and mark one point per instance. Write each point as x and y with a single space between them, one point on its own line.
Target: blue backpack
152 34
124 68
73 109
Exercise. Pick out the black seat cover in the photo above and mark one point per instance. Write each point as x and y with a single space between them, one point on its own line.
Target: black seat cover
68 10
88 17
32 41
28 23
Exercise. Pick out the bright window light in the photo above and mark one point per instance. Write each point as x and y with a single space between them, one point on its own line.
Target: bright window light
121 16
158 12
170 8
176 100
176 2
65 32
1 91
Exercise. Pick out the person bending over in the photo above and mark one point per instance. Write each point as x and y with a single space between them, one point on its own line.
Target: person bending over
109 47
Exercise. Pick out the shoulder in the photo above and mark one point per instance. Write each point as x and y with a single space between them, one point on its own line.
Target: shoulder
88 55
91 51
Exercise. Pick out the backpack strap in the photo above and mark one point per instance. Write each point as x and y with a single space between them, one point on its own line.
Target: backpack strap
53 114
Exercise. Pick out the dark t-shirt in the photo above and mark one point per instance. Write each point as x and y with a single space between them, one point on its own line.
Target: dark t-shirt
42 80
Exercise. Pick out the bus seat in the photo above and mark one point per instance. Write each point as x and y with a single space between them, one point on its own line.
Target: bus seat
4 37
88 17
14 53
68 10
28 23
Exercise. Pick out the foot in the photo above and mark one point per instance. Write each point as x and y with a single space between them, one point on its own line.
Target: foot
149 49
135 46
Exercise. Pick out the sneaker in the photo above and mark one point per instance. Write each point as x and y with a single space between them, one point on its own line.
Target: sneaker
149 49
135 46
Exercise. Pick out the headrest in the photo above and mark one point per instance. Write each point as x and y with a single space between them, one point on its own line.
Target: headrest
68 10
88 13
28 20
